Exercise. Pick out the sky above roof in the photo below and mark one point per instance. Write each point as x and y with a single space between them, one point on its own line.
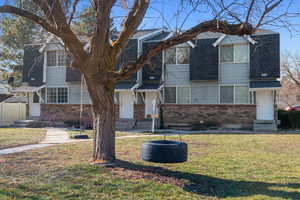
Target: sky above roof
165 13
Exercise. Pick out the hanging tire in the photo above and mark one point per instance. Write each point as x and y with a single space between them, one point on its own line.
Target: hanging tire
164 151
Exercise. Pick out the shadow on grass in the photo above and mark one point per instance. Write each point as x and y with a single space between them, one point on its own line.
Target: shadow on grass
217 187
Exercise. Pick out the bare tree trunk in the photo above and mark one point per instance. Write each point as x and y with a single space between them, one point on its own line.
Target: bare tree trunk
102 97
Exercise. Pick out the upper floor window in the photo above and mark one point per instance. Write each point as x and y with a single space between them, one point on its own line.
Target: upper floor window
178 55
237 53
58 58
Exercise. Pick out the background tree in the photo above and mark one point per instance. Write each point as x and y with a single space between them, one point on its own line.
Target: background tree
15 31
289 94
97 61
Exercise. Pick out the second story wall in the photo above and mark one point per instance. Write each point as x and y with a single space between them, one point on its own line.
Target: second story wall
55 63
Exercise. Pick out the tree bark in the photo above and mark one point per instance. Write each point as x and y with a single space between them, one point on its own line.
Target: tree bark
103 109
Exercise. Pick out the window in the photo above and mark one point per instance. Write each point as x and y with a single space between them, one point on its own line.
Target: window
226 53
234 94
178 55
36 98
238 53
170 94
57 95
241 53
62 95
241 94
183 55
51 95
51 58
183 96
226 94
58 58
170 56
177 94
61 58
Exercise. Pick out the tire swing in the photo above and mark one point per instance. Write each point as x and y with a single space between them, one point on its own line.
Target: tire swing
81 135
164 151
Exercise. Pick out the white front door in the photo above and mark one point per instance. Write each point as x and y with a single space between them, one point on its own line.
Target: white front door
265 105
126 105
149 97
34 105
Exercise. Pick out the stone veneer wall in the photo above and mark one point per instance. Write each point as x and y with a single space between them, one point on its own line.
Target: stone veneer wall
223 115
70 112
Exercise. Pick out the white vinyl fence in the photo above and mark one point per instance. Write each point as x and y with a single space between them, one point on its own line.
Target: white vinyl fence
10 112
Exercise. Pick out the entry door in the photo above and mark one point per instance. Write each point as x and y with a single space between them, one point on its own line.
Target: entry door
126 105
150 96
265 105
34 105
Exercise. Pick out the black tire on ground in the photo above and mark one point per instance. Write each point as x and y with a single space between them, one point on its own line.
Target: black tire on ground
164 151
81 137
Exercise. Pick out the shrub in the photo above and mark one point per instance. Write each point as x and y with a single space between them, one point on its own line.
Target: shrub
289 119
283 116
294 118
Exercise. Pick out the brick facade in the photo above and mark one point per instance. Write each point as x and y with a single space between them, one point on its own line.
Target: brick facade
222 115
65 112
139 111
71 112
241 116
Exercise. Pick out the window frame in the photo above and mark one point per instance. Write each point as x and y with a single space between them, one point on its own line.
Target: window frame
176 58
234 92
234 53
176 90
56 94
56 58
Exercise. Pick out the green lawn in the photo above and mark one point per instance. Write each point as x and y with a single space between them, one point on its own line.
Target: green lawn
12 137
221 166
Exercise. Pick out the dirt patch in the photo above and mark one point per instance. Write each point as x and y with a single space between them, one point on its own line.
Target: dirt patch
129 170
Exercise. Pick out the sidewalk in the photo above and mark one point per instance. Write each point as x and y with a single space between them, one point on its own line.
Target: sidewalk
53 136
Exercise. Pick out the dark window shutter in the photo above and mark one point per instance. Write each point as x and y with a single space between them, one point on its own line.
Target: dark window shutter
152 71
265 57
204 61
73 74
128 55
33 63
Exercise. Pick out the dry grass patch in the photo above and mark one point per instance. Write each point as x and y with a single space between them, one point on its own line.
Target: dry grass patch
220 166
13 137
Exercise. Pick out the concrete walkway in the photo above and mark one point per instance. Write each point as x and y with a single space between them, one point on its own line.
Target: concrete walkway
53 136
56 136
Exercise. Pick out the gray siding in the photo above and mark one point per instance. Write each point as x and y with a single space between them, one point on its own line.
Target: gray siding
177 75
205 93
231 73
234 39
74 94
56 76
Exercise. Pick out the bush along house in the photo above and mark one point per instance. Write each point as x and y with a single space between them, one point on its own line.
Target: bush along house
215 80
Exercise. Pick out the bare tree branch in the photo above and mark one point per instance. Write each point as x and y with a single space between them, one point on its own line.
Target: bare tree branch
134 19
73 11
30 16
